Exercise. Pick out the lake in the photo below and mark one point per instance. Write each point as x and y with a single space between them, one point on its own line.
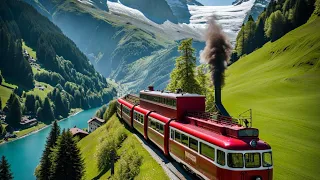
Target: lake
24 154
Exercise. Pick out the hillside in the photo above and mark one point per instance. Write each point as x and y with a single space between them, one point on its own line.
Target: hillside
149 168
281 83
40 61
116 35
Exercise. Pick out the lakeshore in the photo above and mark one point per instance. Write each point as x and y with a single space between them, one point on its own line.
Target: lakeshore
25 153
29 131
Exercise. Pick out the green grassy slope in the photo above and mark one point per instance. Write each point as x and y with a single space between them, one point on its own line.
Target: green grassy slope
149 168
281 83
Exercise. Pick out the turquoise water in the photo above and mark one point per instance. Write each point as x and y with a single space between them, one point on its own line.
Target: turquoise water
24 154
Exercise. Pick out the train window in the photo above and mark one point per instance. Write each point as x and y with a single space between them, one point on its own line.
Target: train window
253 160
235 160
221 157
157 126
177 136
207 151
184 139
161 128
153 124
172 134
267 159
126 111
193 144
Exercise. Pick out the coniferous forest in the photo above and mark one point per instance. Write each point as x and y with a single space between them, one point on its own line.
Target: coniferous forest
275 21
59 63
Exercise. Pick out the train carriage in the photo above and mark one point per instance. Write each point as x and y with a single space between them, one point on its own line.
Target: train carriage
211 145
140 120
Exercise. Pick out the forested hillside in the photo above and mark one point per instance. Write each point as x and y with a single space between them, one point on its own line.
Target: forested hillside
41 63
276 20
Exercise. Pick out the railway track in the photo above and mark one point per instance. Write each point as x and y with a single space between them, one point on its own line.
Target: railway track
174 170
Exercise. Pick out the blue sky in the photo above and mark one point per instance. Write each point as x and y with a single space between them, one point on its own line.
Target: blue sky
216 2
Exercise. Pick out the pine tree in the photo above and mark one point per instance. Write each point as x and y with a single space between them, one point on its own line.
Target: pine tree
14 114
5 173
259 32
66 159
300 13
202 79
44 170
274 26
240 43
60 109
250 36
47 113
30 103
9 102
183 76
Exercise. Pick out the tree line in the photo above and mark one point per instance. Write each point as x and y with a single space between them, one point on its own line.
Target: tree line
275 21
76 83
61 158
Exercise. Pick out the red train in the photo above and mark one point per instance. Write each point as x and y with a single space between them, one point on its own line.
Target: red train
211 145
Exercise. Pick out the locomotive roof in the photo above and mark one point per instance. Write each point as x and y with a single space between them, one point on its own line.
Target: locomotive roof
169 94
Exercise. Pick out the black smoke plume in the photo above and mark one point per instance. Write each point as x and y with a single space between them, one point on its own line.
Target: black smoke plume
217 52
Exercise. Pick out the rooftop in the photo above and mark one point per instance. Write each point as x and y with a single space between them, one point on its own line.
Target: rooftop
99 120
27 121
75 131
169 94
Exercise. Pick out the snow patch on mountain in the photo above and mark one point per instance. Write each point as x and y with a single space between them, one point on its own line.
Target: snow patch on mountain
230 18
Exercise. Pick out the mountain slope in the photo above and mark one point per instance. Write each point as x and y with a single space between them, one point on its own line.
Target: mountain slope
57 61
281 83
118 36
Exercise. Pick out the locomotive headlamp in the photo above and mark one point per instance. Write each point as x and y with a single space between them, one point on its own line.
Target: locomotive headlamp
258 178
253 143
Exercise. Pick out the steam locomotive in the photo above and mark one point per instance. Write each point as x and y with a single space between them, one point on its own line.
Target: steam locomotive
212 145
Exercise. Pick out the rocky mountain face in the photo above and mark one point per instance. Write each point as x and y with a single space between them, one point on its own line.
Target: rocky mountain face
132 43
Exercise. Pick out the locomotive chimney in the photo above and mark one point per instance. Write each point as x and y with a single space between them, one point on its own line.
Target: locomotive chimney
216 54
150 88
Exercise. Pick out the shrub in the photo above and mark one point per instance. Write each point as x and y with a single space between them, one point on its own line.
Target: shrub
110 110
129 165
105 151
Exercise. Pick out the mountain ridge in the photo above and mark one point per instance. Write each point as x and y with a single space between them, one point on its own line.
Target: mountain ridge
117 36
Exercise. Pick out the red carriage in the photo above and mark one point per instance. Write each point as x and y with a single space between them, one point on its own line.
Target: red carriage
211 145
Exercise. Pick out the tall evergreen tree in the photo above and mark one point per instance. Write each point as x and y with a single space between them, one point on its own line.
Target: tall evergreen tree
183 75
14 114
5 172
9 102
47 113
301 13
250 37
202 79
44 170
60 108
66 159
260 38
274 26
30 103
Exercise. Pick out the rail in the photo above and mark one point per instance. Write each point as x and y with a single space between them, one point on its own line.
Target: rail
244 121
132 99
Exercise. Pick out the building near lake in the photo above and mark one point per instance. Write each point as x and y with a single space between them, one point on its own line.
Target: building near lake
94 123
76 132
26 123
